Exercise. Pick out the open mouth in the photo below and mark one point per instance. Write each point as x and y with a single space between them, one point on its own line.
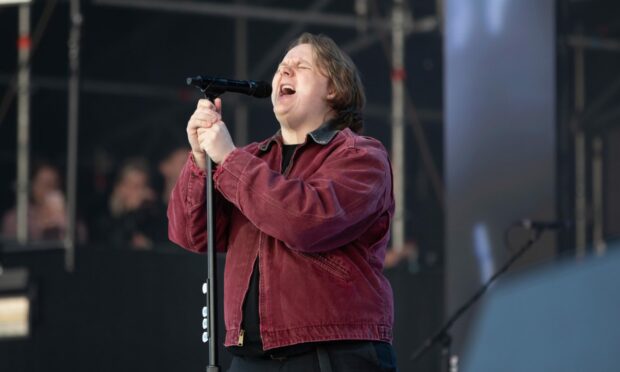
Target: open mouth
286 90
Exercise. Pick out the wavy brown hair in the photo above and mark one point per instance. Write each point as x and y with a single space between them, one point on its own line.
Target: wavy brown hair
349 99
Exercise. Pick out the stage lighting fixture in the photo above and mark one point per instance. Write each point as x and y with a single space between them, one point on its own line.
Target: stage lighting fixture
15 303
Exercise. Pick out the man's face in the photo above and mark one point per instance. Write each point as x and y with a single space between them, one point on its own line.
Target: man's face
300 89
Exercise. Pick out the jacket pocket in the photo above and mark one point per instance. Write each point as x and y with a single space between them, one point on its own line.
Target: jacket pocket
330 263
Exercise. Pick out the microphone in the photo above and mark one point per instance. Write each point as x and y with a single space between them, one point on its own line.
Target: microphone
545 225
215 86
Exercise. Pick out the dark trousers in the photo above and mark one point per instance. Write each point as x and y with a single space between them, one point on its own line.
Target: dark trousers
329 357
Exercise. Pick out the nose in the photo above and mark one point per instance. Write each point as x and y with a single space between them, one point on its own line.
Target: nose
286 71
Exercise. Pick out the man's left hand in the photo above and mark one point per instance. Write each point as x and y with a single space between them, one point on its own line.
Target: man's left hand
215 139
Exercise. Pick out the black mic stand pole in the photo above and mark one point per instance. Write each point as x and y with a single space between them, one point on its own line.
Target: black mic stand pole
209 288
443 337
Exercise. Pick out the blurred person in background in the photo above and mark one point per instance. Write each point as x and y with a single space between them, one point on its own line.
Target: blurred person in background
47 214
134 219
304 217
394 256
170 168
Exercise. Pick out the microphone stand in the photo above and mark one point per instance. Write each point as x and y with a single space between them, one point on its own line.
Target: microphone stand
209 288
213 88
443 337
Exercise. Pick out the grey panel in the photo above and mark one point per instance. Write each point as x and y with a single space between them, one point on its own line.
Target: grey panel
500 133
562 318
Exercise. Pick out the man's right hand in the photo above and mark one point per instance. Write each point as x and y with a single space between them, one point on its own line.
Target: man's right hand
205 115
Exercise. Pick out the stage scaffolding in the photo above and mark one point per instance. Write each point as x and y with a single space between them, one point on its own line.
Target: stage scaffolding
587 124
399 25
21 86
372 29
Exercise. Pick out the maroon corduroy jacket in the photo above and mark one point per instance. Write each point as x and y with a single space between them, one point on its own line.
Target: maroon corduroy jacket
320 229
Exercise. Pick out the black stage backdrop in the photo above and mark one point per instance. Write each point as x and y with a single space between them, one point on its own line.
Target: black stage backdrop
119 311
124 310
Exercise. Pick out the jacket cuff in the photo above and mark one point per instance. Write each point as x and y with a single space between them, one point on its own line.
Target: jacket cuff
229 173
194 168
196 192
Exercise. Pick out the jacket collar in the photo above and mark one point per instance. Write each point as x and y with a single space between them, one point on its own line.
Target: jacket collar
323 135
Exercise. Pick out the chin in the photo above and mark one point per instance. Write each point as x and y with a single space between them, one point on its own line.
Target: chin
281 113
281 118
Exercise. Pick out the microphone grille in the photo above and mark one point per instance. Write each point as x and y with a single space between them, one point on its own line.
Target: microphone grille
262 90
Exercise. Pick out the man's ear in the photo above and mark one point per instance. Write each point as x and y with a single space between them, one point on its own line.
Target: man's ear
331 94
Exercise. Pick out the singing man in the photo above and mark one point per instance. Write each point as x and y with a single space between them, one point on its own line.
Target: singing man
304 218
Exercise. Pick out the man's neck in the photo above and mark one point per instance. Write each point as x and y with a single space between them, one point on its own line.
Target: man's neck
294 135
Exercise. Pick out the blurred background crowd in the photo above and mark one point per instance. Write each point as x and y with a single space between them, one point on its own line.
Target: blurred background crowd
127 208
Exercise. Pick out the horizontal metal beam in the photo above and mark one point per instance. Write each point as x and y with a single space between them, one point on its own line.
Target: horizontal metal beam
105 87
181 94
14 2
426 24
578 41
270 14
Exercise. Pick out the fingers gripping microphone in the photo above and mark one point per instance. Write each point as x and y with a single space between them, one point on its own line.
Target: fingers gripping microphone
213 87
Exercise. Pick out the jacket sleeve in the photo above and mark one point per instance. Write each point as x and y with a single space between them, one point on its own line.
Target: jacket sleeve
187 225
340 201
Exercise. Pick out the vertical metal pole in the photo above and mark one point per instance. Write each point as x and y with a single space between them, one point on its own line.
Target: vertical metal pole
398 123
580 156
23 123
72 133
361 11
211 284
439 14
209 312
241 71
597 197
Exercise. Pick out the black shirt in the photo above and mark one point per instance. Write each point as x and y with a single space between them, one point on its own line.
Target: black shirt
252 343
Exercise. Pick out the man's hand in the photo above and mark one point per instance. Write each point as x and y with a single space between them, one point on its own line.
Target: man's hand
207 132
